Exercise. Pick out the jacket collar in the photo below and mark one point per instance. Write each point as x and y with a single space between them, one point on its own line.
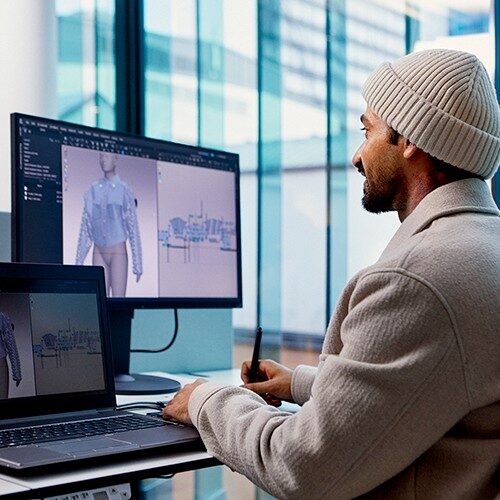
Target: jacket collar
467 195
113 180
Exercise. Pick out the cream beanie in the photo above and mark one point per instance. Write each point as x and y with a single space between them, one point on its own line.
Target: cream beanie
443 102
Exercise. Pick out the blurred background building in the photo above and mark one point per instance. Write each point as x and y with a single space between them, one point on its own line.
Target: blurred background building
279 83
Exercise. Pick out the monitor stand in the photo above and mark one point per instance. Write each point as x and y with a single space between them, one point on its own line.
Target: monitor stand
120 321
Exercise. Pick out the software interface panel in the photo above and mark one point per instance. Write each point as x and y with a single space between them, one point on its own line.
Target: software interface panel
160 218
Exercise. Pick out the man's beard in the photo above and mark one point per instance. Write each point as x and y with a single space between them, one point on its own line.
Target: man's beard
377 199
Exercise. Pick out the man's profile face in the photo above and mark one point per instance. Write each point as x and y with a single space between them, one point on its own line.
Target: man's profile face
107 161
380 162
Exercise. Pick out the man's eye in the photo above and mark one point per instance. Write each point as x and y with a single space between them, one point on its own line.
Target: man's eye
363 128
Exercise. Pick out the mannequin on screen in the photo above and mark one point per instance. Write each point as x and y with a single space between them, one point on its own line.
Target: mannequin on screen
109 219
8 348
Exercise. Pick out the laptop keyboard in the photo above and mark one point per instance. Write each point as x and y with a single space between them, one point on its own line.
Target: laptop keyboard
74 430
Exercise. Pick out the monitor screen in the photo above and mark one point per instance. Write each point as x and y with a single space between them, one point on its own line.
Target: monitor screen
163 219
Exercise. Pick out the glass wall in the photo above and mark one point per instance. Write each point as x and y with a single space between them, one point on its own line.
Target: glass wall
304 160
241 134
86 83
171 70
279 83
201 88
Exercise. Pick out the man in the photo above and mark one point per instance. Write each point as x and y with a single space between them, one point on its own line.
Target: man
405 401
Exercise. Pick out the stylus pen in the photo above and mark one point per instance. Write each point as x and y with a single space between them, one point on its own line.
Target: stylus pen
254 367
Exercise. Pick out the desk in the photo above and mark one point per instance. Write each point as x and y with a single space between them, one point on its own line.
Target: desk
8 488
119 471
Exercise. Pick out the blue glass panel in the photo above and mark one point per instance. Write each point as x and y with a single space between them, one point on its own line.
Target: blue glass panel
171 70
338 160
269 188
210 73
86 80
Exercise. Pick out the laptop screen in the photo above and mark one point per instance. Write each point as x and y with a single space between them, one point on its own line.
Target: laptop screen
51 334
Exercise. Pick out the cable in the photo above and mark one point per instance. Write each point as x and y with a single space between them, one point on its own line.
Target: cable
156 405
169 345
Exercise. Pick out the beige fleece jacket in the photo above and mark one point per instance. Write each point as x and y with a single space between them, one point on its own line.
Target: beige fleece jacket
405 401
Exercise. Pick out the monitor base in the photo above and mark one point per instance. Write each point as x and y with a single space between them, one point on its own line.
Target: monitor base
144 384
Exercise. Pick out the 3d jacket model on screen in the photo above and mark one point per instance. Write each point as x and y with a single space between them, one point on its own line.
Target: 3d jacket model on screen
8 347
109 219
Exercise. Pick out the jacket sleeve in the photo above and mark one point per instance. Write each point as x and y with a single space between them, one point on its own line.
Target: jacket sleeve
85 236
132 228
9 342
395 388
302 381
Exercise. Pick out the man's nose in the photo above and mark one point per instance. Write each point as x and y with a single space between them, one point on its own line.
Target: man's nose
356 159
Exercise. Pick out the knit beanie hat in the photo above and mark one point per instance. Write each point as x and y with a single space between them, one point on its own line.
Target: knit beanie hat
443 102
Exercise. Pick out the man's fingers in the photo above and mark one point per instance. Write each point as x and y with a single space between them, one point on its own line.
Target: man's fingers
170 411
273 401
245 367
259 387
245 371
165 413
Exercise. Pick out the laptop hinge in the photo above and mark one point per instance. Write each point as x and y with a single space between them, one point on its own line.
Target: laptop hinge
56 417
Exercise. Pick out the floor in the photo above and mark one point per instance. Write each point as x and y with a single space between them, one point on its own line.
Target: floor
287 357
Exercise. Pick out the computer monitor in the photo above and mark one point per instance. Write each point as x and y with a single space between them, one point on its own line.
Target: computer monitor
163 219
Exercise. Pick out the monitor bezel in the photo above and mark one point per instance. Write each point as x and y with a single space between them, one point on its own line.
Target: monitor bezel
73 401
128 303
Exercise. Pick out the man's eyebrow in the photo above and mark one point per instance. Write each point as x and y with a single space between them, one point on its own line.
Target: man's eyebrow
364 120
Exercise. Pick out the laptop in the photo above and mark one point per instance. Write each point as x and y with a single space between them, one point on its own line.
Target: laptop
57 393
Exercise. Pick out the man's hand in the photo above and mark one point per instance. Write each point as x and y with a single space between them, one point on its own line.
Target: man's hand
274 381
177 408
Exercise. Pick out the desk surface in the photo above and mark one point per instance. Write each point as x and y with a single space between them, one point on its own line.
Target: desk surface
8 488
105 474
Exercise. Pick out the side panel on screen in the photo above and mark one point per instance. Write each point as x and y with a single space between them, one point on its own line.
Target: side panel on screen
204 341
4 237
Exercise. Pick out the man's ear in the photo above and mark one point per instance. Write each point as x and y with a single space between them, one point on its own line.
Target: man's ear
409 149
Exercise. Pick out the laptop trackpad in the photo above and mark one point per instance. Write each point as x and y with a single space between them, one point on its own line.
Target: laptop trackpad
89 446
24 455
